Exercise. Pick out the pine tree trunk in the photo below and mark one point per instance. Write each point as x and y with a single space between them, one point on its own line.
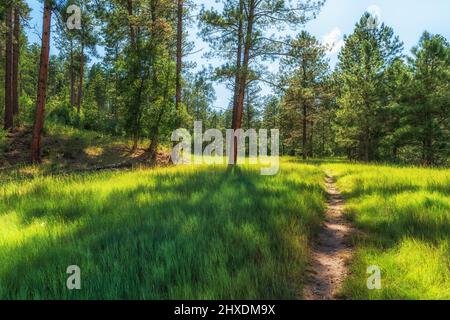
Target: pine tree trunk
9 118
42 84
179 58
16 56
132 32
311 139
248 112
238 62
154 137
428 155
72 76
153 149
80 85
305 132
243 77
366 149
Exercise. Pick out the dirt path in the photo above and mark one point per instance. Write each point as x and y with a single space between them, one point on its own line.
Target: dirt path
331 252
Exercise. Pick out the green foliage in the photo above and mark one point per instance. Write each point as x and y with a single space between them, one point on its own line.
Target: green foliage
391 110
306 95
61 112
199 96
426 114
367 53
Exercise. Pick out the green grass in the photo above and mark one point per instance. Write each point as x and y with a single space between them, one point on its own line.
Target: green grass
176 233
404 214
210 233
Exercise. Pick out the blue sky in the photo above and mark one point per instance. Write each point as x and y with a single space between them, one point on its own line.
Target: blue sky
409 18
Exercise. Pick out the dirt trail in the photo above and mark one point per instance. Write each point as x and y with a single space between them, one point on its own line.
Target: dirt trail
331 251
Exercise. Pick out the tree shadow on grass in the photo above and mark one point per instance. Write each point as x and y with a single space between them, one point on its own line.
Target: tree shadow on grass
426 220
317 162
188 236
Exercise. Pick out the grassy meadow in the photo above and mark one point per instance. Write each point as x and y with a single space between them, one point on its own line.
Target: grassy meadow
404 217
184 233
205 232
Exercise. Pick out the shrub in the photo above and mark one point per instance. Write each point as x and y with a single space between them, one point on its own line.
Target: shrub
59 111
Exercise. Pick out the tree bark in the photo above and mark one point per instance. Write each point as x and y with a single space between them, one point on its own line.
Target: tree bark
72 76
243 77
153 149
366 149
16 56
9 118
132 32
42 84
305 132
311 139
136 125
179 59
238 61
80 85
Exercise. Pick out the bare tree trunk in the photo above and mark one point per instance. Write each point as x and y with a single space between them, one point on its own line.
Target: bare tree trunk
366 148
153 149
42 84
179 57
243 77
9 118
16 56
132 32
80 85
72 76
305 132
248 112
238 61
322 147
428 155
136 125
116 88
311 139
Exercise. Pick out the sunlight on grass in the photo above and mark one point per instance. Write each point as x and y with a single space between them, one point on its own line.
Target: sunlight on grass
208 232
186 232
93 151
405 215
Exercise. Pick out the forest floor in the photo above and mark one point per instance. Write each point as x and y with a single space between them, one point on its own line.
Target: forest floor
70 149
331 251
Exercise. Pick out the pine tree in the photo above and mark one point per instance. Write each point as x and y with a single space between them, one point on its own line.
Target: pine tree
239 34
427 105
304 72
366 55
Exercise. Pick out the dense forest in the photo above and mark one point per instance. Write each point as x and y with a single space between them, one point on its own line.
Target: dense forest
377 104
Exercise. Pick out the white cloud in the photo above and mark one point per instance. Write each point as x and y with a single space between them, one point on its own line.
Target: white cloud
333 40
